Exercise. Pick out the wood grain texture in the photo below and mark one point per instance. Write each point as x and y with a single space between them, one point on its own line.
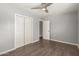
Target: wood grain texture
45 48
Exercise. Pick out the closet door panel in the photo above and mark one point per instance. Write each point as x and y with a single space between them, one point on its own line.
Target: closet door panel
28 30
19 31
23 30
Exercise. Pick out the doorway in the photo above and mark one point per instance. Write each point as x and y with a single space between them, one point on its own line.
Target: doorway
41 29
44 29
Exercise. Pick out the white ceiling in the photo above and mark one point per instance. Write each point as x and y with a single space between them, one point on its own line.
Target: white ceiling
55 8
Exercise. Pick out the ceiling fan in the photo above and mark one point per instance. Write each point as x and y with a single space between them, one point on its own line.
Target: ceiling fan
43 6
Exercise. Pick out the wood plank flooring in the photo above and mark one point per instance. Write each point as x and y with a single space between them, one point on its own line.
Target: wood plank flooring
45 48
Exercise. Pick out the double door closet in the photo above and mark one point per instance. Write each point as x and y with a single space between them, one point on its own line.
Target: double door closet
23 30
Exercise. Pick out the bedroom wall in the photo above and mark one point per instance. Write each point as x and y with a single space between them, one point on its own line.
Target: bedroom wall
64 27
7 17
6 28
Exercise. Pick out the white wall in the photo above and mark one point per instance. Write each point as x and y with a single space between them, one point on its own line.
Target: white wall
64 27
7 17
6 28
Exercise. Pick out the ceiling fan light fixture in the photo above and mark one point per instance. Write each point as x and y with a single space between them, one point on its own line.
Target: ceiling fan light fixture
43 9
43 6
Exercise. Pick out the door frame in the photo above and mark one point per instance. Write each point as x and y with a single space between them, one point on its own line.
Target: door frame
15 29
49 28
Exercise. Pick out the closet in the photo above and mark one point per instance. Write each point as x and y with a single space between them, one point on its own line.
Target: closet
23 30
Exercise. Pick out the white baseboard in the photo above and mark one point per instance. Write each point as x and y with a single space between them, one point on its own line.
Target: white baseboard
65 42
35 41
7 51
14 48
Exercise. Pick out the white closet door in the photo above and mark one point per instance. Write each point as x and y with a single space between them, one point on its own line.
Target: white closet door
19 31
46 30
28 30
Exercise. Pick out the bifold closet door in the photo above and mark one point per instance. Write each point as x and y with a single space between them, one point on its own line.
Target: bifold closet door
28 30
23 30
19 31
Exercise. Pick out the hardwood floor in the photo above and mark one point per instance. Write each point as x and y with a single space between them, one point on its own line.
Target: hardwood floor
45 48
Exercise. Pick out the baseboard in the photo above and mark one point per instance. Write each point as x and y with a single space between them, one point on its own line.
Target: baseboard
65 42
19 46
35 41
7 51
14 48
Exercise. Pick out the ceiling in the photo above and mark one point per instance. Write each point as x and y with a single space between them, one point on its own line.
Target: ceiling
56 8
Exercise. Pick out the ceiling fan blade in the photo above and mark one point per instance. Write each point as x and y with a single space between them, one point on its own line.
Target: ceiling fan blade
48 4
37 7
43 4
